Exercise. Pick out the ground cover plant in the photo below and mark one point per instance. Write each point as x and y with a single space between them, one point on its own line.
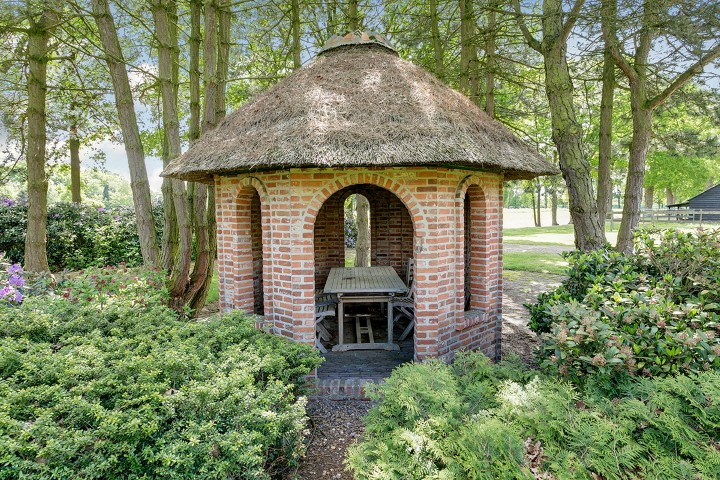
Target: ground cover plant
78 235
102 380
656 312
477 420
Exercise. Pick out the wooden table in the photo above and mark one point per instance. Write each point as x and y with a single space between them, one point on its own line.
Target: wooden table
363 285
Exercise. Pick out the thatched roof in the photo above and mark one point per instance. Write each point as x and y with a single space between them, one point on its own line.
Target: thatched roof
358 105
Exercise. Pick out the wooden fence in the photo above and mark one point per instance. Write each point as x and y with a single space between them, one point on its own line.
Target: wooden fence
695 216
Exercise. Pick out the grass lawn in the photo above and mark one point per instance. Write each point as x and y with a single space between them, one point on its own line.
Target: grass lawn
535 262
213 291
563 235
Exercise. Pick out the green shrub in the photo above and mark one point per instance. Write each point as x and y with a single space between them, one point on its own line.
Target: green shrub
78 235
480 421
656 312
118 387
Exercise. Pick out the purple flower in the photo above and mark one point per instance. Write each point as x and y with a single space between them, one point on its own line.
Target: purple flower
4 291
101 210
57 215
9 202
17 281
18 297
15 269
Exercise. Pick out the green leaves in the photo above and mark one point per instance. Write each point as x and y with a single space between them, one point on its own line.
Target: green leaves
116 387
536 427
652 313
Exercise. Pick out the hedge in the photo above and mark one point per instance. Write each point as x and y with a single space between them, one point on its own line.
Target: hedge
78 235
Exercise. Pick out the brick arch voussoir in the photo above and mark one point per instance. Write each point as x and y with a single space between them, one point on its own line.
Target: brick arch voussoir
469 181
255 183
400 191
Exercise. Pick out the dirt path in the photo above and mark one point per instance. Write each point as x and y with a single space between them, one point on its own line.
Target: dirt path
514 248
335 424
520 288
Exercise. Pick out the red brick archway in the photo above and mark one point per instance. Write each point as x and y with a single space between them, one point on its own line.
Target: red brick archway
247 268
308 235
477 252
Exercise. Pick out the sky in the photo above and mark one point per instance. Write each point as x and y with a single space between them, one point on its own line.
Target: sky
116 161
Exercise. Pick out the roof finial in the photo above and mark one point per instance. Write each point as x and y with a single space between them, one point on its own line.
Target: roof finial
357 37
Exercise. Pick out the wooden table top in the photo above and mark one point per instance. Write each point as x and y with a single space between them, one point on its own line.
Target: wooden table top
364 280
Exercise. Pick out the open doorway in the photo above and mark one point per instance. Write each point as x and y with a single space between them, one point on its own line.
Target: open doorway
474 249
382 231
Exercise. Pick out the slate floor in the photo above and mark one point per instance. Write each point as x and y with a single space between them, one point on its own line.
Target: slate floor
367 364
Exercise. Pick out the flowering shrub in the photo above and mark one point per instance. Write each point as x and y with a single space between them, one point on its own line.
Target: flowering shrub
11 281
138 286
118 387
654 313
78 235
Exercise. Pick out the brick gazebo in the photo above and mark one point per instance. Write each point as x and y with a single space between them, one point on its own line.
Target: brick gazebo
360 120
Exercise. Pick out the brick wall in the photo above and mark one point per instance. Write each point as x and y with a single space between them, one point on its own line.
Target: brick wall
415 211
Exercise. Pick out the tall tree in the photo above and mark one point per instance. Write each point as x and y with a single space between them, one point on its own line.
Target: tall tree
163 13
295 11
469 81
701 37
74 146
131 133
490 55
38 34
362 219
353 18
604 189
567 131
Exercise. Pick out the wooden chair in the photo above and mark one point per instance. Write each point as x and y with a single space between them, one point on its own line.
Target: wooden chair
325 306
410 273
406 308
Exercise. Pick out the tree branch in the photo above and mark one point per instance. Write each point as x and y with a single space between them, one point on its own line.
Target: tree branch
571 20
608 21
684 77
531 41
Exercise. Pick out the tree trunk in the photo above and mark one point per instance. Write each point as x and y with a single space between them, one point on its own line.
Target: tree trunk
567 132
37 56
295 7
130 132
223 58
437 43
194 73
469 83
353 20
554 207
539 220
210 55
669 196
74 145
605 143
649 196
490 48
642 130
331 6
167 45
362 219
534 207
203 196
